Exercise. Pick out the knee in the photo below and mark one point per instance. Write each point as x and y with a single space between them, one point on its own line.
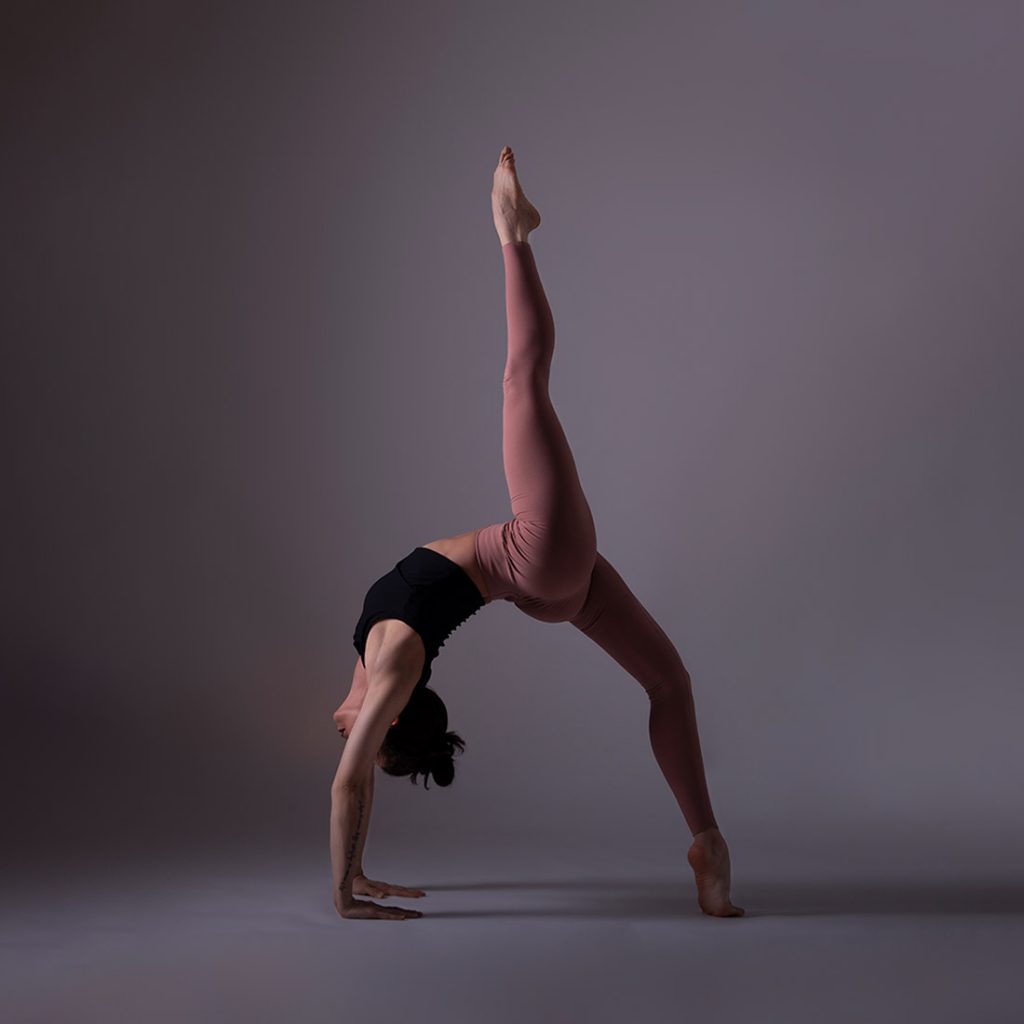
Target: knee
526 371
670 686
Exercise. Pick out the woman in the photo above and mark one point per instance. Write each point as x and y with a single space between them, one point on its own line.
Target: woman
545 560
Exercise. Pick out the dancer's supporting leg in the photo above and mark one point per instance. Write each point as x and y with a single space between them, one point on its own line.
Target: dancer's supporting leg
615 619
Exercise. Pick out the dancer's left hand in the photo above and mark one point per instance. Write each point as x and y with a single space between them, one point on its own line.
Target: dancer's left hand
363 886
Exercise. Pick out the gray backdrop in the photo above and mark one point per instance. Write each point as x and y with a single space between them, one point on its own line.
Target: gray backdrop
254 334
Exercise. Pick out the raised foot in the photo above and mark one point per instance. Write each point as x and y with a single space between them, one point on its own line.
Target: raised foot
514 215
709 858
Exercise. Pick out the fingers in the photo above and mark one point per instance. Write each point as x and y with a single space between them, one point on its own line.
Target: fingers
383 891
396 913
368 910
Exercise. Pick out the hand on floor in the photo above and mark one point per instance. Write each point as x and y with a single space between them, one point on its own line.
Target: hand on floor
363 886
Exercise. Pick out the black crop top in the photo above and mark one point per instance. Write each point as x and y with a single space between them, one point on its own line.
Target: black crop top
427 591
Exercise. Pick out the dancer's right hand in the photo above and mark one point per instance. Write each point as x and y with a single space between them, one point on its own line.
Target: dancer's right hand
367 910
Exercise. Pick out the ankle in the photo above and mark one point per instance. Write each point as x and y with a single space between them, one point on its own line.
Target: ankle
512 233
708 835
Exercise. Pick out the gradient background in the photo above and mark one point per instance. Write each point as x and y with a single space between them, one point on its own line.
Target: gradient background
253 326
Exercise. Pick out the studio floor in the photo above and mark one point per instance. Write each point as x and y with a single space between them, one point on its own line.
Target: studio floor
510 937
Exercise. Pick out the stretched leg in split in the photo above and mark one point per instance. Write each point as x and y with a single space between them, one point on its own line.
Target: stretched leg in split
546 551
615 619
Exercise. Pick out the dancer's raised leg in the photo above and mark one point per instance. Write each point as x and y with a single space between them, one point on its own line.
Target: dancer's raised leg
550 544
615 619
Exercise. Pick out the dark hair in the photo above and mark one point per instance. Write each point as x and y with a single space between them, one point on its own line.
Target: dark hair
421 744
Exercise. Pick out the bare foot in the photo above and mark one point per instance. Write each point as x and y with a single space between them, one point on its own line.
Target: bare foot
514 215
709 858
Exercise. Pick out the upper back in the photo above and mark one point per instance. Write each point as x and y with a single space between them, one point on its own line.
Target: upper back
426 594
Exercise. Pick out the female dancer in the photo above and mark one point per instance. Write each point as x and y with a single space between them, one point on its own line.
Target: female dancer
545 560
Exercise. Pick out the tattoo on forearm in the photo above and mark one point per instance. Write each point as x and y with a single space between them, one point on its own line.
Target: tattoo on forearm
353 846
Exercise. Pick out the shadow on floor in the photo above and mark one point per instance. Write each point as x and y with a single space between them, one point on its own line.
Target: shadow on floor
671 898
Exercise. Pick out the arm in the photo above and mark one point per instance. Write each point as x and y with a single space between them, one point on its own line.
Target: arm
355 697
350 822
357 866
352 789
357 691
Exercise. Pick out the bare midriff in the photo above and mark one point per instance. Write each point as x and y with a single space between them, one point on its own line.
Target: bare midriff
461 550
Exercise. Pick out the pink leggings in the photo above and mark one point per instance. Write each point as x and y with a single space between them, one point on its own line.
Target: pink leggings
545 558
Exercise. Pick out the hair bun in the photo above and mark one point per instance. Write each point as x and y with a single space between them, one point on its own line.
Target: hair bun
442 767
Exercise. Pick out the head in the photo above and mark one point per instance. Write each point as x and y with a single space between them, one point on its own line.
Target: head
419 743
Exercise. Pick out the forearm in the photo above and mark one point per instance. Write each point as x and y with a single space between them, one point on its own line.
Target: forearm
357 865
350 821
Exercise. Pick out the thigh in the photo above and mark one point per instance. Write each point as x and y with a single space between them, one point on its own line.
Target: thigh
540 470
616 620
517 563
553 609
552 517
